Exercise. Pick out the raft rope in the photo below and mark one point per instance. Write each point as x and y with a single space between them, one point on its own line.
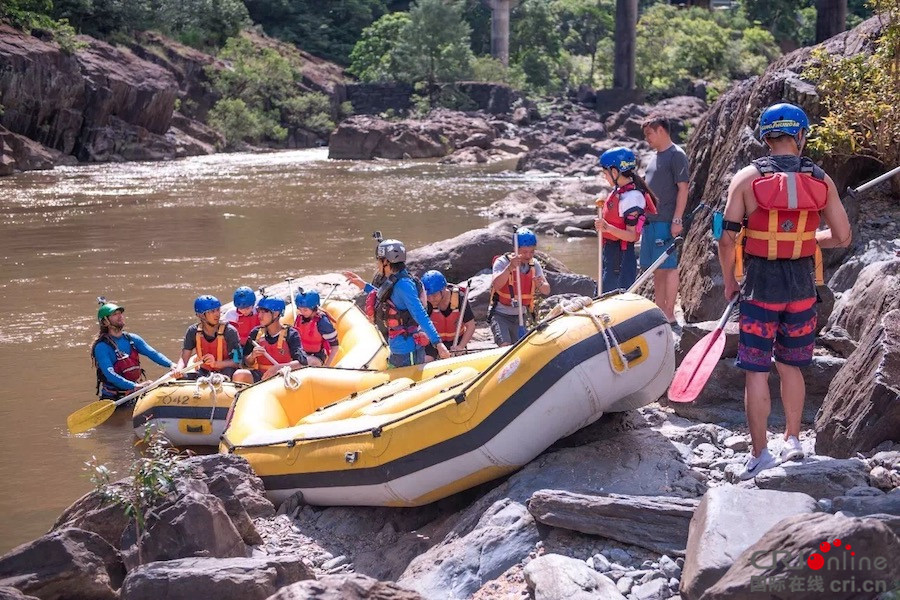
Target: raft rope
578 307
291 381
214 382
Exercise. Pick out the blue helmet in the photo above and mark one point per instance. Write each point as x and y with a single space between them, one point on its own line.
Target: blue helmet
244 297
205 303
434 282
621 158
308 300
525 237
271 303
783 118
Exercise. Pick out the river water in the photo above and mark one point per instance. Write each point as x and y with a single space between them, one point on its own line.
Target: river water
152 236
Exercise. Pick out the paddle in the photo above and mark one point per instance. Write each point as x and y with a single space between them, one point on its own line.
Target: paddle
462 312
290 282
599 255
95 413
699 363
874 182
266 354
518 286
334 286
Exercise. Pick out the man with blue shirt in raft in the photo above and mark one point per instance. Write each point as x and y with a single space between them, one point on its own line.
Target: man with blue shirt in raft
399 310
115 355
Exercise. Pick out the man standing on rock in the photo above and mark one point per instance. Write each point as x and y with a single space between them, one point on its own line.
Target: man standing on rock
774 206
667 176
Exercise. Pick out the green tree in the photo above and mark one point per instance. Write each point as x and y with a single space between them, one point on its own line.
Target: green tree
536 46
373 57
585 24
434 46
328 29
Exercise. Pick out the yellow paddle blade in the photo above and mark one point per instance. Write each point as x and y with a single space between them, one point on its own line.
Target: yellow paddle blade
90 416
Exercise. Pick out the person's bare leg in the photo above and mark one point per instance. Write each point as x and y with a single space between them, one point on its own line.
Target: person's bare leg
793 395
758 404
660 292
671 277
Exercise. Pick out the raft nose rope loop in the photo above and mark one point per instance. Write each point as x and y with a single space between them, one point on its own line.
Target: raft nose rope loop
291 381
214 382
578 307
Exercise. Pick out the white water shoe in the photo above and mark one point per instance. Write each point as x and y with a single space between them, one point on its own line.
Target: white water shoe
757 464
791 450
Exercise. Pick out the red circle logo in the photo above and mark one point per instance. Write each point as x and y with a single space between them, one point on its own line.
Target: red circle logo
815 561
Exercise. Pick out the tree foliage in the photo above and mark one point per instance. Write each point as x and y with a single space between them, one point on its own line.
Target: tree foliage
373 57
676 45
328 29
862 96
434 45
584 26
30 15
536 46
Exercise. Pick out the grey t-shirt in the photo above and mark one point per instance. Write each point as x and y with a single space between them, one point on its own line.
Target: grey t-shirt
499 266
666 170
780 280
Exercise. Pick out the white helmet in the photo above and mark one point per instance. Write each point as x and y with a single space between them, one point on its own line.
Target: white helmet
391 250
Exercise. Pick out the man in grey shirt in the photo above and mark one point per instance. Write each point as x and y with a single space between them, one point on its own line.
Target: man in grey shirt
667 176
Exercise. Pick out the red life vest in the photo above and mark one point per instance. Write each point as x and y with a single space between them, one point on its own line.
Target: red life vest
312 340
279 350
446 325
125 365
245 324
507 294
216 347
784 224
610 212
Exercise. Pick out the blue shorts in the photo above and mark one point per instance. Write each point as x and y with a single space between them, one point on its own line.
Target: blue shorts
655 238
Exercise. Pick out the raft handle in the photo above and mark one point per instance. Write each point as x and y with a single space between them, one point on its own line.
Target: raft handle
460 397
351 457
376 432
633 355
228 444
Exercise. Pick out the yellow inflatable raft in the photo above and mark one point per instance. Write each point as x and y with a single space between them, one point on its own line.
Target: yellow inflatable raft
410 436
193 413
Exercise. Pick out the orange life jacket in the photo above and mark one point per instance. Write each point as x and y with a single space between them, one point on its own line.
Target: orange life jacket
783 226
279 350
215 347
506 295
312 340
446 325
245 324
610 212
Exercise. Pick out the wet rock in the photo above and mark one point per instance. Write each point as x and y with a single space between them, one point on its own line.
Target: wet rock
350 586
862 408
727 522
220 578
195 524
884 479
18 153
657 523
556 577
801 534
65 564
11 593
522 205
92 513
220 487
246 486
836 339
860 506
822 478
875 293
466 156
875 251
497 532
367 137
551 157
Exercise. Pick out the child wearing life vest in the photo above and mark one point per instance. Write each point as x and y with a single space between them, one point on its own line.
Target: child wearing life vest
622 217
243 316
445 308
317 333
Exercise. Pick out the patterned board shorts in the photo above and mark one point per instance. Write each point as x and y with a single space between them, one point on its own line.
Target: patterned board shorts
786 329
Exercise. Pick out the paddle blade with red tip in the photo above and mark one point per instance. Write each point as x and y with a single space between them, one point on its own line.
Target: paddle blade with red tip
698 365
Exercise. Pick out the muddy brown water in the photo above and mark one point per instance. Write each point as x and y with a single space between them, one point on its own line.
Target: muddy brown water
152 236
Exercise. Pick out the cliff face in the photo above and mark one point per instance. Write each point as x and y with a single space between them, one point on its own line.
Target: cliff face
110 103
